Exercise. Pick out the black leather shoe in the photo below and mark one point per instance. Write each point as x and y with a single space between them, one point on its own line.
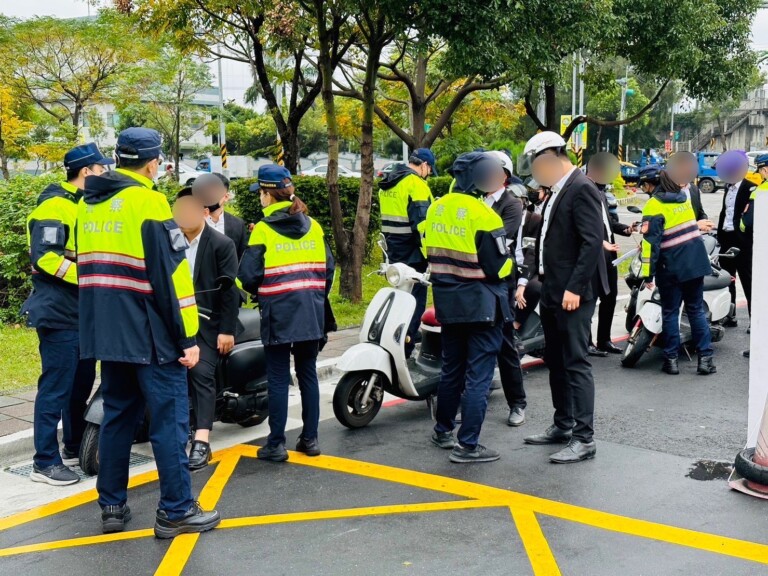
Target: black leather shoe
745 353
199 455
610 348
576 451
272 453
113 518
195 520
308 447
706 366
670 366
592 351
553 435
730 322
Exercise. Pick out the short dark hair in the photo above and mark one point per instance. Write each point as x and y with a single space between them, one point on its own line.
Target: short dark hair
186 191
133 163
224 179
75 172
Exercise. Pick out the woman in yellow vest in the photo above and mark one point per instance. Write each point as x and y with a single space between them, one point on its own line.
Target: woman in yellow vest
673 254
289 267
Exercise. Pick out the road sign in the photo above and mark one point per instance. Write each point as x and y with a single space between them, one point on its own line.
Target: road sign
565 121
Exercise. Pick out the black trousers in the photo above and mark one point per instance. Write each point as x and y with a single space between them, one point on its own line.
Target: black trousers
509 365
570 373
740 266
532 296
202 387
607 303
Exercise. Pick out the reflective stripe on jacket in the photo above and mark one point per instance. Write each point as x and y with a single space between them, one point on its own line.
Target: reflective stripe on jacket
468 258
136 293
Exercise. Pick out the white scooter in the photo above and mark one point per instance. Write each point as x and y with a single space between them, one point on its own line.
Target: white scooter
378 363
648 320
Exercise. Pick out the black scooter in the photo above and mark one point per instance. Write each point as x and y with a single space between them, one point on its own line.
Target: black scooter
241 387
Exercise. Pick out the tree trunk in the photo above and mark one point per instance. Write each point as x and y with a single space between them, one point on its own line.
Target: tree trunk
552 121
177 143
291 150
4 162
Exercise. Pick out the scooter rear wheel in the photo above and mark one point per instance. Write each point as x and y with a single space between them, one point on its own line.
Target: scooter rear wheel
347 400
89 450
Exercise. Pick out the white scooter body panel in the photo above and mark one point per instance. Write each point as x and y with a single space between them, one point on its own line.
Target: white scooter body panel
386 326
651 316
719 303
366 356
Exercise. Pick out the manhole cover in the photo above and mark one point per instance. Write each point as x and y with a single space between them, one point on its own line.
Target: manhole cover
710 470
26 469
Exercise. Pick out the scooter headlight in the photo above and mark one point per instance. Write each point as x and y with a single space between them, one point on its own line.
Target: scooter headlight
393 275
636 267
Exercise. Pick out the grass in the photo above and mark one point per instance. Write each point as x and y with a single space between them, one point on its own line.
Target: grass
349 314
20 361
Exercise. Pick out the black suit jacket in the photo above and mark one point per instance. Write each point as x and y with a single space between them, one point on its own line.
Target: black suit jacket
698 209
511 211
742 198
235 230
605 266
573 244
216 256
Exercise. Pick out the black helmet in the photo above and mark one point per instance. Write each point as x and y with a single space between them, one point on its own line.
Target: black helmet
649 174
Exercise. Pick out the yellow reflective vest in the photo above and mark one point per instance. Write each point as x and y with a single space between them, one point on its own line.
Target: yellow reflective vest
468 258
136 295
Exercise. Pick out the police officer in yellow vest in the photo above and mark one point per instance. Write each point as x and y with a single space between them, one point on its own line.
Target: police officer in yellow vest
673 254
468 258
288 266
138 316
404 197
66 381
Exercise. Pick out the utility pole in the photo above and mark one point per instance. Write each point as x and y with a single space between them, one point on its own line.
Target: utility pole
573 87
672 128
222 126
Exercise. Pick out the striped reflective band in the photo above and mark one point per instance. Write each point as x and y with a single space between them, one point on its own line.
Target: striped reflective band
71 254
63 267
395 224
111 258
186 301
291 286
472 273
681 239
678 228
396 230
113 281
292 268
390 218
455 254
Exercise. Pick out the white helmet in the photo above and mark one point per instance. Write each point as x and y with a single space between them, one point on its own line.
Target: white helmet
543 141
506 161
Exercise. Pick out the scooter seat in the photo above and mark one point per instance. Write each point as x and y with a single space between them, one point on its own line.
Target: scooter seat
722 280
249 320
429 318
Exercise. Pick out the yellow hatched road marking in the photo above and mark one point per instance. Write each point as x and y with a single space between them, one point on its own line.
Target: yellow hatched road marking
522 507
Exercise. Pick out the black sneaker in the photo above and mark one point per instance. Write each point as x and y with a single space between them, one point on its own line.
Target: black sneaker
195 520
70 458
56 475
308 447
113 518
272 453
444 440
463 455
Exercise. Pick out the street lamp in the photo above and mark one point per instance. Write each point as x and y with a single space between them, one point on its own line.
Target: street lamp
625 91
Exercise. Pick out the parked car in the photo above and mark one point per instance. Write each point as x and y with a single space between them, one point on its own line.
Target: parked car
187 175
322 170
386 169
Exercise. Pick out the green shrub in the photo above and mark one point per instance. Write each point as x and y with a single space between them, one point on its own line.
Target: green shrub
18 196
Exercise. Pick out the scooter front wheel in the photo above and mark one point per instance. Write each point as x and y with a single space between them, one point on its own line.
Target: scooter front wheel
89 450
348 399
639 341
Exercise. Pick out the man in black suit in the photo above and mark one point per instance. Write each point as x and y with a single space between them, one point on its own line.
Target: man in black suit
602 169
216 188
210 256
735 199
510 208
568 248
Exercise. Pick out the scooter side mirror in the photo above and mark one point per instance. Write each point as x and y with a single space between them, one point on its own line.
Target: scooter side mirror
634 209
732 252
382 242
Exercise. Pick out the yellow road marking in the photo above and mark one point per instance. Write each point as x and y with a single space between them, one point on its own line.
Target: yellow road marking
536 545
76 542
68 503
355 513
182 546
523 508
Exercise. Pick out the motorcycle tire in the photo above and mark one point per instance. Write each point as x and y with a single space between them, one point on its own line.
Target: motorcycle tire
254 420
89 450
748 470
347 396
638 343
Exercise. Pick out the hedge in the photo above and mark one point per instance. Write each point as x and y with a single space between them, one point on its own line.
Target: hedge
314 192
